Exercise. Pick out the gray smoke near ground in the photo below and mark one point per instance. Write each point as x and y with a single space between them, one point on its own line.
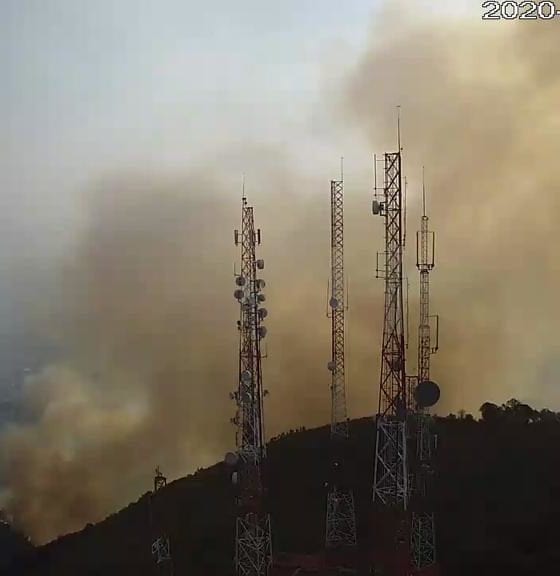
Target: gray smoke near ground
479 110
141 310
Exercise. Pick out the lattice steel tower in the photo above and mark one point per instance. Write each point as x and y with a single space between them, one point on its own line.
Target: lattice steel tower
340 519
161 549
423 540
253 541
390 487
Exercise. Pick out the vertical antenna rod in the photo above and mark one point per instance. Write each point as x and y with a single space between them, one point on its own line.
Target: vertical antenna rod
161 549
253 540
390 486
423 541
340 519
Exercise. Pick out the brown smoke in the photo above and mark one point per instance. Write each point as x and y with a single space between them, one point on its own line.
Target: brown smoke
143 314
479 110
142 310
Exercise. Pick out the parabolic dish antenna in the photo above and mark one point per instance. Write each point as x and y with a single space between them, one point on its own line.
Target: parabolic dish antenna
427 394
260 264
238 294
240 281
330 365
333 303
261 297
231 459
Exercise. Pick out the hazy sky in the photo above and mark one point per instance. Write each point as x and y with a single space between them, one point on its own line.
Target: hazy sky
126 127
94 87
91 88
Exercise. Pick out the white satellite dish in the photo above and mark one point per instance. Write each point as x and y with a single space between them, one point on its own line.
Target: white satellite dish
240 281
260 264
231 459
238 294
333 303
330 365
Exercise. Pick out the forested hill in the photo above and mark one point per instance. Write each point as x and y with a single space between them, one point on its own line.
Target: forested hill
497 507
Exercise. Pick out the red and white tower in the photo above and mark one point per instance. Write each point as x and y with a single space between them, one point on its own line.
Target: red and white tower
253 540
340 518
390 485
423 540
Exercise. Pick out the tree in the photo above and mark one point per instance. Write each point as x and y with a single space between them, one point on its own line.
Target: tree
490 412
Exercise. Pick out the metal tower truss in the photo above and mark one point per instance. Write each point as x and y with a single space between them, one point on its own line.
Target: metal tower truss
161 548
340 518
391 481
390 474
423 541
253 541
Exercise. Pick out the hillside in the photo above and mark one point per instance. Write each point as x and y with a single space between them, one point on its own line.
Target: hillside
498 504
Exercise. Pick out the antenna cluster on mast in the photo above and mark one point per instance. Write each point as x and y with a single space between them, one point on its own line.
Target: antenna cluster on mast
253 538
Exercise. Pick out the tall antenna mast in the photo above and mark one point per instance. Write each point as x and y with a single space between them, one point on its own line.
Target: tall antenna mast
253 540
423 540
161 549
390 486
340 518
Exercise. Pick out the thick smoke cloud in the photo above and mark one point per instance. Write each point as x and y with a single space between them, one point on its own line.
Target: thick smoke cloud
143 316
479 111
141 311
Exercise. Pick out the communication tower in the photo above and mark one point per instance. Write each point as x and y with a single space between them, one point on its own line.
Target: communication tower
340 518
423 541
253 539
161 549
390 486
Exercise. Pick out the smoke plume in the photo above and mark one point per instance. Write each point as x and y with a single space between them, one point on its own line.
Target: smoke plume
141 310
478 102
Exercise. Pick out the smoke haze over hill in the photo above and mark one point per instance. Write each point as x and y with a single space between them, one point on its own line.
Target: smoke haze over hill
139 306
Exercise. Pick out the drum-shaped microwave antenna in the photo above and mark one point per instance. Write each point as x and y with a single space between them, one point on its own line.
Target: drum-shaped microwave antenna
260 264
427 394
333 303
261 284
240 281
262 331
330 365
376 207
261 297
238 294
263 313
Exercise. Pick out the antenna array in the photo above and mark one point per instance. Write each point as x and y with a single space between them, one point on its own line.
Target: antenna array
253 540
